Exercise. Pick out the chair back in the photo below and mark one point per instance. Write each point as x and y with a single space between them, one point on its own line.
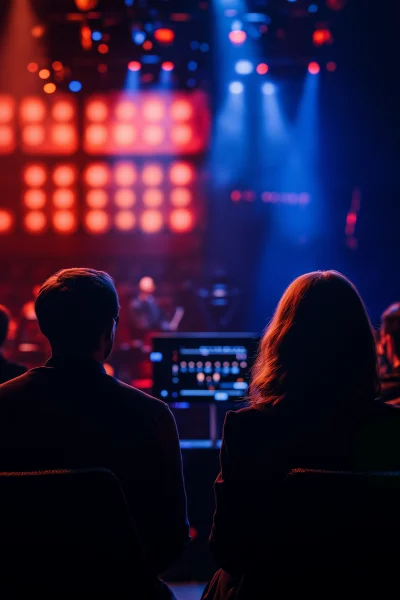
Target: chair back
68 530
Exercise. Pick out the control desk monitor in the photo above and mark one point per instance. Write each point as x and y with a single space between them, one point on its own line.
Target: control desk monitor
202 367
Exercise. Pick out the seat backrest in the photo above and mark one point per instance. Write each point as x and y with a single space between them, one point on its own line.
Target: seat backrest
68 526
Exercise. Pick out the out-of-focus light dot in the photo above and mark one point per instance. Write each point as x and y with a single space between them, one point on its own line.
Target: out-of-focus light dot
147 45
125 220
322 36
96 198
181 220
32 67
32 110
153 135
331 66
97 221
64 176
151 221
125 198
236 87
313 8
35 221
180 197
191 82
6 135
63 198
64 221
167 65
152 175
38 31
164 35
96 135
97 111
181 134
62 111
314 68
236 25
44 73
34 199
262 68
134 65
75 86
204 47
181 174
153 110
97 175
33 135
63 135
35 176
96 36
181 110
102 68
124 135
49 88
138 37
57 65
192 65
6 220
195 45
125 111
237 37
153 198
244 67
125 174
236 195
102 48
268 89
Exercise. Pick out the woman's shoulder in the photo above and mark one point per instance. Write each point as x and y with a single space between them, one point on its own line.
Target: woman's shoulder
246 420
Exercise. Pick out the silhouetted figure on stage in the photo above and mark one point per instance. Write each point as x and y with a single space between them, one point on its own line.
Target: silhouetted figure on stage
390 348
71 414
8 370
219 302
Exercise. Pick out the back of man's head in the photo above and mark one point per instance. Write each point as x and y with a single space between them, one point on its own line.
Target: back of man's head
390 326
4 323
75 307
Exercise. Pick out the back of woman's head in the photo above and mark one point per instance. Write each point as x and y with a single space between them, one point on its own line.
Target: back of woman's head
319 343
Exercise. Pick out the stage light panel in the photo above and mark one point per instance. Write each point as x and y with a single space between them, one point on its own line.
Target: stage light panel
64 175
96 135
151 221
64 136
125 174
180 197
34 199
63 198
35 221
181 110
181 220
181 173
7 139
125 220
6 109
35 176
97 175
33 135
153 198
63 111
125 111
124 198
152 175
64 221
6 221
97 221
153 135
32 110
96 198
96 111
181 135
124 135
153 110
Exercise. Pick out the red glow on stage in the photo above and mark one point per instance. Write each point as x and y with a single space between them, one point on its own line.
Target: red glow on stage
164 35
35 221
167 66
125 174
64 176
97 175
6 109
102 48
97 111
134 65
96 199
49 88
153 135
322 36
153 198
35 176
64 135
34 199
314 68
125 220
63 198
331 66
148 45
32 110
57 65
125 111
97 221
237 37
32 67
124 198
96 135
181 220
180 197
33 135
63 111
152 175
262 68
151 221
181 110
6 221
124 135
153 110
64 221
181 135
44 73
181 174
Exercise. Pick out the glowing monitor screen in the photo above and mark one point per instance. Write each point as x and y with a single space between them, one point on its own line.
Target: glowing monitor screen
202 367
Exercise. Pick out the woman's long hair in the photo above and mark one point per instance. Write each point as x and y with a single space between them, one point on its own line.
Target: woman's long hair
319 343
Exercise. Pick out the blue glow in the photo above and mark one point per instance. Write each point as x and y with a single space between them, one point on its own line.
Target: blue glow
204 47
313 8
181 405
268 89
291 0
129 2
150 59
75 86
156 357
164 394
236 25
244 67
191 82
236 87
138 37
96 36
192 65
195 45
221 396
149 27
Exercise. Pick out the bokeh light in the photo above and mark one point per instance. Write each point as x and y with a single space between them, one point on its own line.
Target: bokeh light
64 175
148 45
64 221
6 136
97 198
63 111
124 135
151 221
167 66
97 111
244 67
63 198
44 73
262 68
63 135
153 198
97 221
237 37
35 221
33 135
181 220
6 109
32 110
125 111
32 67
125 220
153 135
35 175
75 86
96 135
102 68
180 197
134 65
152 175
34 199
181 174
125 174
322 36
124 198
103 48
6 221
57 65
38 31
236 87
97 175
331 66
49 88
314 68
153 110
181 110
268 88
181 134
164 35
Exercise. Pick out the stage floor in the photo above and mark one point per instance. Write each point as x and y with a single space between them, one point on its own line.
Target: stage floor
188 591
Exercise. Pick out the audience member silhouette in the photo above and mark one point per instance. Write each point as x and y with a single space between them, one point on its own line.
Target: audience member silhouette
8 370
390 344
71 414
312 405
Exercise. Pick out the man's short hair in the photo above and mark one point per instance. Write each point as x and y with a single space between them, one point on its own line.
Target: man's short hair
74 307
4 323
390 325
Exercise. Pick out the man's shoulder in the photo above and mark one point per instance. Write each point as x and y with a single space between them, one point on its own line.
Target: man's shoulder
129 393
